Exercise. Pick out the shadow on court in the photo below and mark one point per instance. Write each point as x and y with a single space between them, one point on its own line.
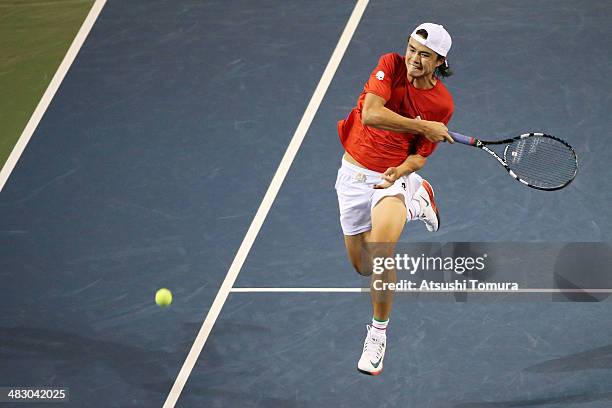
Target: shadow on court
73 354
540 402
599 358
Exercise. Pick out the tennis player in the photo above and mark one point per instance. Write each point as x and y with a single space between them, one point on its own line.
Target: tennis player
400 117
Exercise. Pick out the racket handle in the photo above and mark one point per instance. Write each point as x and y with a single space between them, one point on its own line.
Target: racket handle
459 138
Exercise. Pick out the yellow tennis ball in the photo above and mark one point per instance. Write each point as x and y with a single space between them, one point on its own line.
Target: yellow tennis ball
163 297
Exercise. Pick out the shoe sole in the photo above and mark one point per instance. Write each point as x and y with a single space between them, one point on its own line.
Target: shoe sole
372 373
432 198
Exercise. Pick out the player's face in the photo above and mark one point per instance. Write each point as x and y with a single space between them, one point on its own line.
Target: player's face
421 61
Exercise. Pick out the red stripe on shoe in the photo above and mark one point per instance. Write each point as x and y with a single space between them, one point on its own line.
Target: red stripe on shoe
431 195
430 192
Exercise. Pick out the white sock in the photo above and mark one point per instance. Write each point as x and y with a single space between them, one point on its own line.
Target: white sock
380 327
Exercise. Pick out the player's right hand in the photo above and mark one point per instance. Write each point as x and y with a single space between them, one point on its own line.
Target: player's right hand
436 132
389 177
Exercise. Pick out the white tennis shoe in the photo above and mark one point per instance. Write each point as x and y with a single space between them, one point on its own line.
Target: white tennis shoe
429 210
371 361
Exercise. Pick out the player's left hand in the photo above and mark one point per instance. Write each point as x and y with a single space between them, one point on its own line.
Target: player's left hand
389 177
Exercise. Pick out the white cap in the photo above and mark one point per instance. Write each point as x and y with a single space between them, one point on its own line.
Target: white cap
438 39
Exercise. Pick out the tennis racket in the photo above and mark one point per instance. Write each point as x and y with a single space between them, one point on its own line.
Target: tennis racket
537 160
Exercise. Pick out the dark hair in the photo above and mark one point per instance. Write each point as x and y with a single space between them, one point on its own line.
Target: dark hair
442 71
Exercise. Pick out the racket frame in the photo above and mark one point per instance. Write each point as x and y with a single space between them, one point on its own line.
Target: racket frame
482 144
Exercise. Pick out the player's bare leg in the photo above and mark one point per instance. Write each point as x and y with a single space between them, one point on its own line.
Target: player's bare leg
388 220
355 247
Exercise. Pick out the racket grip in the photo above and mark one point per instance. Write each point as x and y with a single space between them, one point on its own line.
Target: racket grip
459 138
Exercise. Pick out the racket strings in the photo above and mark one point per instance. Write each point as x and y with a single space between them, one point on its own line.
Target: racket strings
545 170
542 165
561 168
542 161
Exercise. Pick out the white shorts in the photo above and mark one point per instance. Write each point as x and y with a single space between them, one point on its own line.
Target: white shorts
357 196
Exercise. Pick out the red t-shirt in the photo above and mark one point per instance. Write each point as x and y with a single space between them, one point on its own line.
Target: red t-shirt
379 149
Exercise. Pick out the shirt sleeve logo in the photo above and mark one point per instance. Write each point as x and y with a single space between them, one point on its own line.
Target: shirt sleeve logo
380 75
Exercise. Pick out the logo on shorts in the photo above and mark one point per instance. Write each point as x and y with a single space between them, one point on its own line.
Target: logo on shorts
360 178
380 75
404 186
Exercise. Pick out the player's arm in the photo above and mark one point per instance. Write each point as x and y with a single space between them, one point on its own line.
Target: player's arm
413 162
375 114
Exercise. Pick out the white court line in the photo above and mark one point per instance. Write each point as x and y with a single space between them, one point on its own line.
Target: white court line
54 85
361 290
298 290
266 203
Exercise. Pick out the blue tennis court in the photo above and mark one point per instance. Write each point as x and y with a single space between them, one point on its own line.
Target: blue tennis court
156 157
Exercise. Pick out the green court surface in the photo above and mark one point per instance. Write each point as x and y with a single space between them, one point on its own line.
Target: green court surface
34 37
